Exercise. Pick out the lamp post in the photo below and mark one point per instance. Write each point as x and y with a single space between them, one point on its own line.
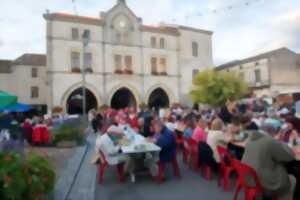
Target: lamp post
85 42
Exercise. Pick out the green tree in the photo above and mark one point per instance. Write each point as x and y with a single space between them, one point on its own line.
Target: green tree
216 88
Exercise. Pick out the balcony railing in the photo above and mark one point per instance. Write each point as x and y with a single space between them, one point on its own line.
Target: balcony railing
154 73
126 71
78 70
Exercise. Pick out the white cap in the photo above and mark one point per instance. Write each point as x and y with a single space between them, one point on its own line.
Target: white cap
115 129
283 111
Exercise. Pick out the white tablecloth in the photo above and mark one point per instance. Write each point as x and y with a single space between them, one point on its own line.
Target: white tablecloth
138 140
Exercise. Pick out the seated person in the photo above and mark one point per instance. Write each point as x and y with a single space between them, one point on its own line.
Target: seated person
144 124
216 137
290 132
268 157
199 134
248 123
235 146
108 144
188 132
165 140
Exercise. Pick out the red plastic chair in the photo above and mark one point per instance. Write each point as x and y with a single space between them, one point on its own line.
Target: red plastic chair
243 171
162 167
36 135
225 167
104 164
179 142
205 168
186 153
194 154
44 135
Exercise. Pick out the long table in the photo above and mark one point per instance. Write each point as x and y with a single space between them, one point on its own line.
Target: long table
138 145
135 141
138 141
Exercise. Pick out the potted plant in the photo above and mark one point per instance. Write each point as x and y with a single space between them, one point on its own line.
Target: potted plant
76 70
103 108
155 73
163 73
25 177
89 70
57 110
143 106
128 71
68 136
118 71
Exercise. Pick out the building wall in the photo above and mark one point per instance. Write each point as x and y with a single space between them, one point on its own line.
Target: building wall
103 46
188 63
20 81
280 72
285 71
5 83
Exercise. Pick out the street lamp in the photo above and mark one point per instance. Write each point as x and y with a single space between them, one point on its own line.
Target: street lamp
85 42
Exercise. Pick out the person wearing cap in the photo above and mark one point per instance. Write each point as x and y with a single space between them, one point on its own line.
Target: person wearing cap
268 157
112 151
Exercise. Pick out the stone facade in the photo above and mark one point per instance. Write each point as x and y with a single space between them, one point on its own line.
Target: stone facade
119 33
271 73
22 76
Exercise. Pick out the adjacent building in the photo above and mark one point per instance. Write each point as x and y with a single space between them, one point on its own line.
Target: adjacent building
270 73
26 77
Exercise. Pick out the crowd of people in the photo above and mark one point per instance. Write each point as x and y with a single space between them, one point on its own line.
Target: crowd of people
265 138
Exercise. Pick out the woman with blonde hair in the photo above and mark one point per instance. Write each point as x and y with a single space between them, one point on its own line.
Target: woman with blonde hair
216 137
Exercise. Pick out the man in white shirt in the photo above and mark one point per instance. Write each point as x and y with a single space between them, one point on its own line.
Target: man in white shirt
111 150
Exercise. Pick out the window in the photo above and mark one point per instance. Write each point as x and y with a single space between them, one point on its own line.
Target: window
75 34
34 72
34 92
257 75
128 62
154 65
162 43
118 62
195 49
153 42
88 60
195 72
75 60
163 65
118 38
242 75
88 33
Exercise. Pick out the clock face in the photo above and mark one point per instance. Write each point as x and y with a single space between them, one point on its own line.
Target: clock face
121 23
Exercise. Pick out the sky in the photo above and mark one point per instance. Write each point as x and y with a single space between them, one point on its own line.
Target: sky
242 28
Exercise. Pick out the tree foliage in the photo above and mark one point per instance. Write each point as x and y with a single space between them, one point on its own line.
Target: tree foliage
216 88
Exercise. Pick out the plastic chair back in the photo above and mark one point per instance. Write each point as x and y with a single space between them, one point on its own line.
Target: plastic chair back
36 135
245 171
225 157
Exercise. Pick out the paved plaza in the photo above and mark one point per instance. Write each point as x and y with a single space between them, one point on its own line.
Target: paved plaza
191 186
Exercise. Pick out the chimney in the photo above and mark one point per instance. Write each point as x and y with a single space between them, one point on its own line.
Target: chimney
122 1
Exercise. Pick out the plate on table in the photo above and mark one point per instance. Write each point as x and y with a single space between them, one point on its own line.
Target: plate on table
124 142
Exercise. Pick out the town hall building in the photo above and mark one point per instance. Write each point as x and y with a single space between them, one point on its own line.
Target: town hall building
126 62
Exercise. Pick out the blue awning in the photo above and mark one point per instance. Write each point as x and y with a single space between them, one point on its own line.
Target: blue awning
19 107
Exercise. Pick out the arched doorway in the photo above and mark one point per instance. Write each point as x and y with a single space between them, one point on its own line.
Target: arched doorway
158 99
74 101
123 98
